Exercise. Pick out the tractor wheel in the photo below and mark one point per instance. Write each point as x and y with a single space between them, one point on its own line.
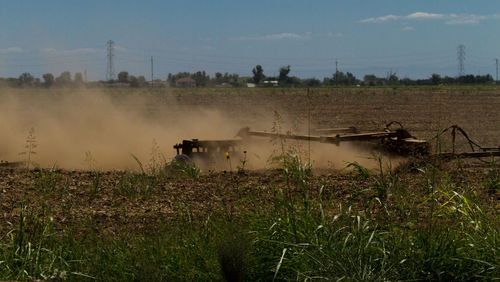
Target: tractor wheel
183 160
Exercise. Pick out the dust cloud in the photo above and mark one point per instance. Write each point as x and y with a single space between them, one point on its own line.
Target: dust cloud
94 129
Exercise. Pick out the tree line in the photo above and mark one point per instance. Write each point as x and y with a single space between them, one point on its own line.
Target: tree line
259 79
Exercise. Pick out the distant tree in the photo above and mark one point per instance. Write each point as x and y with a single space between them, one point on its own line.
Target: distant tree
483 78
48 79
392 78
407 81
449 80
218 77
350 79
133 81
258 74
78 78
338 78
171 79
201 78
312 82
64 79
37 82
25 79
435 79
295 81
141 81
123 77
283 78
370 79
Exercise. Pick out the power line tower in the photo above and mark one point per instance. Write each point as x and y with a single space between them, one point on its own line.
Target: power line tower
461 59
110 71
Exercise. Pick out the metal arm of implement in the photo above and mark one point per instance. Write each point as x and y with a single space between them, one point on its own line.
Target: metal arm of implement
246 132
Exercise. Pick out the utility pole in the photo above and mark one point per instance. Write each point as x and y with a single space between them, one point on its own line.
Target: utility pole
496 61
461 59
336 72
152 81
110 72
85 75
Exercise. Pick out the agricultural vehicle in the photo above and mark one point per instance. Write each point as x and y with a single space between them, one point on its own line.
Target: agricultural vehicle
398 141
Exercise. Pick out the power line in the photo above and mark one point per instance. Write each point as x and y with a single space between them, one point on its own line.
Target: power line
110 71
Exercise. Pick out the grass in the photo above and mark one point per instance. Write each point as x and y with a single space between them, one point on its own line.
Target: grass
299 233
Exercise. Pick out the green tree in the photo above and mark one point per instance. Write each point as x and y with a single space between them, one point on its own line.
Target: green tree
141 80
371 80
48 79
133 81
283 78
350 79
218 77
25 79
338 78
201 78
64 79
435 79
258 74
312 82
392 78
78 78
123 77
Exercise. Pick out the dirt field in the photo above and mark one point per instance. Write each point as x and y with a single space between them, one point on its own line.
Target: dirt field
110 124
91 212
77 129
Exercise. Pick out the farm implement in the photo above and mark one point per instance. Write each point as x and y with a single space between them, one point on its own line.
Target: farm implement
390 140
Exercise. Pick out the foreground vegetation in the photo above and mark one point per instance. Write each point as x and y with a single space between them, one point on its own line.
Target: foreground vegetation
425 222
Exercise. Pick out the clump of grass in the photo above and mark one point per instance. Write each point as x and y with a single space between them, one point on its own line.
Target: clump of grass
180 169
385 180
95 185
243 162
233 254
33 251
492 182
133 185
46 180
157 160
29 148
296 234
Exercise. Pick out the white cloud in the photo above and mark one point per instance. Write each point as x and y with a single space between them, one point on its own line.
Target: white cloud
78 51
11 50
423 16
120 48
448 18
278 36
381 19
335 34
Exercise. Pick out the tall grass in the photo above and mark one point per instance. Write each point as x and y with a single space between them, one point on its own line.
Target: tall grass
299 234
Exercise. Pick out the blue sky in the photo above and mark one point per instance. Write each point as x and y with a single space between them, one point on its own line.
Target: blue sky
412 38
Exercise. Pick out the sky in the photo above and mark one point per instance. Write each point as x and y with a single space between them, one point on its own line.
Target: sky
413 39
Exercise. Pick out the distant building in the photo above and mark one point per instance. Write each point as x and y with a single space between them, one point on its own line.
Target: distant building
270 83
185 82
224 85
158 83
251 85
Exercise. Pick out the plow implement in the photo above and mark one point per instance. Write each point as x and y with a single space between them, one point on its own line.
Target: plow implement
396 141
